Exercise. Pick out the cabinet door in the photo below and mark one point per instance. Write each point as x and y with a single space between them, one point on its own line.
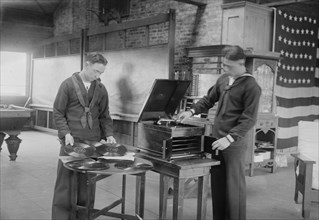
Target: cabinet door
247 25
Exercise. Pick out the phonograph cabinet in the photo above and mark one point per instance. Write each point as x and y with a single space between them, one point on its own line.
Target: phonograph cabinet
262 143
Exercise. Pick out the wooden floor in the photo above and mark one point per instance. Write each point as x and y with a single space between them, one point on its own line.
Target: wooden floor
27 187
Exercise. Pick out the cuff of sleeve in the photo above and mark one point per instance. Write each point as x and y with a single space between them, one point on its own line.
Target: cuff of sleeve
230 138
192 111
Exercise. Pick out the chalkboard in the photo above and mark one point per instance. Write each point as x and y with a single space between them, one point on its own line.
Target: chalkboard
128 77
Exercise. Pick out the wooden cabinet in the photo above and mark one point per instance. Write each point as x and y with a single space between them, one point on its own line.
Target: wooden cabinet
262 141
248 25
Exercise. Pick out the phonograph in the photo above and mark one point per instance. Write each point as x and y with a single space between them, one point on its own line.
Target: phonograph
159 135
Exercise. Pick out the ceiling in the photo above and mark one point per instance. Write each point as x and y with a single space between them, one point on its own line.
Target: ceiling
40 12
36 12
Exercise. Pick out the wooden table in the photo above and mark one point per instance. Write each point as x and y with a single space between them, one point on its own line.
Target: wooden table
95 176
181 171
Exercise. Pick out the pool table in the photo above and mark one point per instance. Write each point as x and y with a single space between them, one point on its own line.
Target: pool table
12 120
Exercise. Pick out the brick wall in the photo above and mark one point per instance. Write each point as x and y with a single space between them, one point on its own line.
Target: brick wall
194 27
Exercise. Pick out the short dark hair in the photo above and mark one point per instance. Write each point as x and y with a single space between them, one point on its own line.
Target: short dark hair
234 53
96 58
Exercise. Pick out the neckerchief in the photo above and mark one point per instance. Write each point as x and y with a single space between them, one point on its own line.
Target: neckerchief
86 118
225 95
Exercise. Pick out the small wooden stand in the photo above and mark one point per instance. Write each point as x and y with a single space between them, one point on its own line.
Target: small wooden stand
181 171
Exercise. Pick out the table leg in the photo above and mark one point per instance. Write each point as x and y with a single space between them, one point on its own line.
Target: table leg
13 143
140 195
163 196
202 197
178 198
123 194
74 190
2 135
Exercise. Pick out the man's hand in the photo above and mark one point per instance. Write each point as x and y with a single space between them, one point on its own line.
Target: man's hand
183 115
69 139
111 140
220 144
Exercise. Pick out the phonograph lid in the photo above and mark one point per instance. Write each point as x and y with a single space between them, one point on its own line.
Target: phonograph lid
163 99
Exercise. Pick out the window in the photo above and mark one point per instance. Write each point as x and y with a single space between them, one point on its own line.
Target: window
114 8
13 74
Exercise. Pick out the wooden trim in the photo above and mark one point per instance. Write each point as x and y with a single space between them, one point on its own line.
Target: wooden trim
205 51
83 44
284 2
59 38
192 2
171 43
244 4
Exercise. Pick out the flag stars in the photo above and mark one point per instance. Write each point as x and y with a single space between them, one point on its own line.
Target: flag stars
302 31
308 43
285 15
314 21
290 17
279 38
307 69
299 43
280 12
294 43
297 31
313 44
299 80
291 55
307 31
294 81
300 19
304 43
282 52
287 29
301 56
311 32
289 42
312 68
301 68
292 30
293 68
285 80
297 68
295 18
283 27
310 20
305 56
308 81
280 78
305 18
303 80
289 81
284 66
287 54
288 67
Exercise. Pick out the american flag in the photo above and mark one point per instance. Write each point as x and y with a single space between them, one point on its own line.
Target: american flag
297 87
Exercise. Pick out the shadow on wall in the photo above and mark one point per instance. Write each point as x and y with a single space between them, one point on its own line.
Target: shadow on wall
128 96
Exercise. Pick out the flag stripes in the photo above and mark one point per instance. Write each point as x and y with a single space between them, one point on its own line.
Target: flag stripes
297 83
